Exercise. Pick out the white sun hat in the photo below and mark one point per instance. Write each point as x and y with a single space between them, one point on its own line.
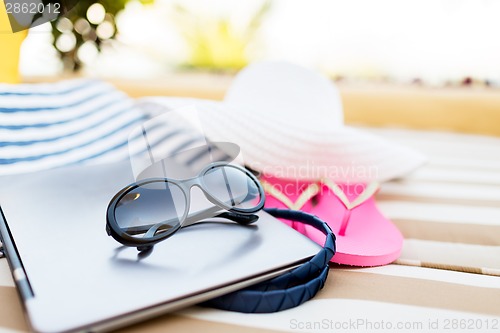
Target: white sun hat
289 124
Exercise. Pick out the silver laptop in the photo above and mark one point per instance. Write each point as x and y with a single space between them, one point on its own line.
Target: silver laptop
72 277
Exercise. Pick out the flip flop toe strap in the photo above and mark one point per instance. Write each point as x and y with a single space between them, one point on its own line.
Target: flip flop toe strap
310 191
314 188
367 193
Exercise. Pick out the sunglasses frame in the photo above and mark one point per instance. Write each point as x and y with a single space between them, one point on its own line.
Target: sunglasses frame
185 185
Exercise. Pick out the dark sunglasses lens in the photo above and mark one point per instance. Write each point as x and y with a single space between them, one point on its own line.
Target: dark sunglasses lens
232 186
156 207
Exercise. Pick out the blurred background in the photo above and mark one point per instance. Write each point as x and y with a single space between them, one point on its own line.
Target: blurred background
414 50
442 42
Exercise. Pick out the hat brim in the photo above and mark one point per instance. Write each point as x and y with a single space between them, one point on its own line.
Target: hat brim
272 146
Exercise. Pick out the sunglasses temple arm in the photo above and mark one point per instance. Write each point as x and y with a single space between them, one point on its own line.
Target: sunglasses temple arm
191 219
198 217
209 213
239 218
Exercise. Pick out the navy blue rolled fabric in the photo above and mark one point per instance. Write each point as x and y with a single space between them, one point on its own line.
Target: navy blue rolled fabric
291 288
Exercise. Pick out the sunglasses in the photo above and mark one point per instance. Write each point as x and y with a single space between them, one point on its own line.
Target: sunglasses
152 210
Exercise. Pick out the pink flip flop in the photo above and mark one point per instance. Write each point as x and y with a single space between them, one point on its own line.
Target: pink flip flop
364 236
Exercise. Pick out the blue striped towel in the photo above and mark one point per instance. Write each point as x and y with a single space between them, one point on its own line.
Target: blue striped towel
44 126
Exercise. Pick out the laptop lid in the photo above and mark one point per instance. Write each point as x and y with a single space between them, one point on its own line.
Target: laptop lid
71 276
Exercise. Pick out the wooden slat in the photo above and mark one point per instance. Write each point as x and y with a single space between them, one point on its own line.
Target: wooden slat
451 193
452 254
457 109
440 213
460 176
411 291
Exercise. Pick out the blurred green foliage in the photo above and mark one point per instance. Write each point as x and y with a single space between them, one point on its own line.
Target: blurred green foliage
214 43
81 30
